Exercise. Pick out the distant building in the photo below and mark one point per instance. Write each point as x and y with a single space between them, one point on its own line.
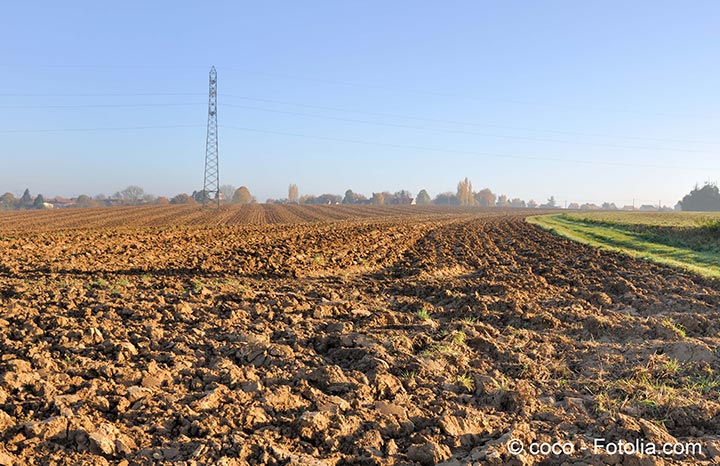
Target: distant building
61 202
628 207
648 208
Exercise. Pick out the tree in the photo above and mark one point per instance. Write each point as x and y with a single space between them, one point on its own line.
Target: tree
378 199
517 202
532 204
226 192
201 196
609 206
242 196
101 199
464 193
84 201
39 202
447 198
293 194
551 202
502 201
182 199
329 199
485 198
423 198
403 197
132 194
26 201
349 197
162 200
389 198
705 199
8 201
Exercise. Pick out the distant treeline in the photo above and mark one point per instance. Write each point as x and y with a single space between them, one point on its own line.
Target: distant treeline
132 195
701 199
135 195
705 198
463 196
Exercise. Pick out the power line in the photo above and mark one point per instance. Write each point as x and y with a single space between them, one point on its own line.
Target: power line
102 94
502 136
395 89
114 128
21 107
458 96
393 115
458 122
464 152
360 141
70 66
424 128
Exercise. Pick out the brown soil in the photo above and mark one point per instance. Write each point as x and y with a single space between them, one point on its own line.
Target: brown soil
336 336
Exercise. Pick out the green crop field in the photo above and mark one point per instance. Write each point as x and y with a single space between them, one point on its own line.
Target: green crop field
658 219
686 240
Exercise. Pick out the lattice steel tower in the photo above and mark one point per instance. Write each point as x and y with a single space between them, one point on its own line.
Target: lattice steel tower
211 184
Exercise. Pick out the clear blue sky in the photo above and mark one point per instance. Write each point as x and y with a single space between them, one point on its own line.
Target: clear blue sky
593 101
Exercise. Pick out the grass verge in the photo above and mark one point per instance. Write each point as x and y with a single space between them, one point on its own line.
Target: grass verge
675 247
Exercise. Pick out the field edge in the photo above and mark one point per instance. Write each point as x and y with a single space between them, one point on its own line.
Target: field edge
606 237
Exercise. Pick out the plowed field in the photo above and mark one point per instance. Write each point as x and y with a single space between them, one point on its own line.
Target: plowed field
332 335
193 215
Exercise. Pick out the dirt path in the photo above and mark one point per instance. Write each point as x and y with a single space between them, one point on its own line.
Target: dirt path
406 340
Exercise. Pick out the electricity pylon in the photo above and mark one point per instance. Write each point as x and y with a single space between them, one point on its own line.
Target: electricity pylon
212 168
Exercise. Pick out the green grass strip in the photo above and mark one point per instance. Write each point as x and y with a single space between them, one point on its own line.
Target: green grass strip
653 219
635 244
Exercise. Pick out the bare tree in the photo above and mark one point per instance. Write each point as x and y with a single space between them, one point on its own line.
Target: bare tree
132 194
226 192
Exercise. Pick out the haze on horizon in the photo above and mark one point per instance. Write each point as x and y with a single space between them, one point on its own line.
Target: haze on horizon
584 102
